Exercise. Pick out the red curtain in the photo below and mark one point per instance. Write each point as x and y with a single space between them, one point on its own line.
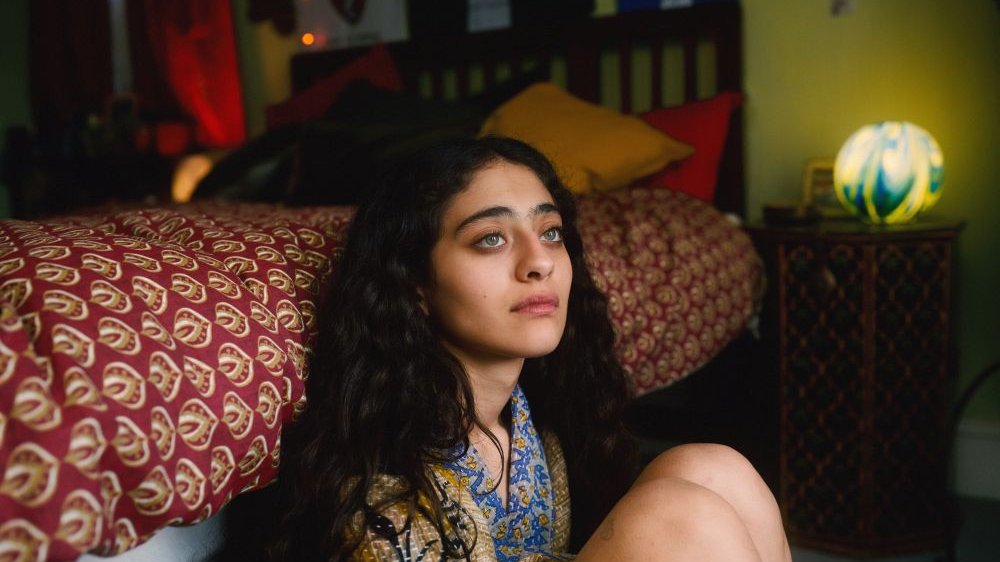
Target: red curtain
184 58
70 52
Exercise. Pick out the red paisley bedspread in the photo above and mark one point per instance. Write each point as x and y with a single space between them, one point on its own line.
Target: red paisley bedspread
148 358
147 361
682 281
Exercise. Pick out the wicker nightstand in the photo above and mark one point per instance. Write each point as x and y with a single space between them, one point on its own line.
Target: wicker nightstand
857 324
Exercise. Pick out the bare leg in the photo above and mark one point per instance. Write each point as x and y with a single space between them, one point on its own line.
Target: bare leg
694 502
670 519
728 474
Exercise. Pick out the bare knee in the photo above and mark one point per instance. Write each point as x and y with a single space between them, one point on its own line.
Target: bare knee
675 498
708 464
730 475
676 515
675 504
725 472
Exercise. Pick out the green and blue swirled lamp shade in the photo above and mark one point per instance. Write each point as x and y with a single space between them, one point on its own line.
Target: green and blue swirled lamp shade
888 172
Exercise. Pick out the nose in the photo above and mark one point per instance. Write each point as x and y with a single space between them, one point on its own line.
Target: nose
534 262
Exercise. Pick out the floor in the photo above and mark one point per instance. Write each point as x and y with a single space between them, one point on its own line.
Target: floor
978 540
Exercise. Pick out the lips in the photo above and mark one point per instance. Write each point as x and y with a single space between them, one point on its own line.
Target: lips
545 303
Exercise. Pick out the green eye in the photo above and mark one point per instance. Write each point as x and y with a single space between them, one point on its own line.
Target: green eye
491 240
553 234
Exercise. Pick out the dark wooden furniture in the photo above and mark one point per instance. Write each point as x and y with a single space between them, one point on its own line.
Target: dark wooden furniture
587 52
857 325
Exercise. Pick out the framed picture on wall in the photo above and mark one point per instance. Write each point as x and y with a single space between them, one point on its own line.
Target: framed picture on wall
817 188
340 24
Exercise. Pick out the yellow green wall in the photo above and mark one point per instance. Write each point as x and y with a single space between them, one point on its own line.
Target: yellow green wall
811 79
264 65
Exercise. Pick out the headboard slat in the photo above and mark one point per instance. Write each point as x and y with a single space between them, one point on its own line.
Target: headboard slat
437 83
489 73
625 76
690 68
580 44
656 77
583 65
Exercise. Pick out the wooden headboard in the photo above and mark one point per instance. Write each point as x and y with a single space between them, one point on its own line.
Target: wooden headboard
633 62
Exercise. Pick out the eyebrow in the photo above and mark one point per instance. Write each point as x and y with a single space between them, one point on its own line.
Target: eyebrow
501 211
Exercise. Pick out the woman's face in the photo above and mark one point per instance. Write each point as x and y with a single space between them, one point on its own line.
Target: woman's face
500 274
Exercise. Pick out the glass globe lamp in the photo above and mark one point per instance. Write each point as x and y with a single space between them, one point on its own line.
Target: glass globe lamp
889 172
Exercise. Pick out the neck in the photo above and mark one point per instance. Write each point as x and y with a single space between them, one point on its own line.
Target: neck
492 392
492 384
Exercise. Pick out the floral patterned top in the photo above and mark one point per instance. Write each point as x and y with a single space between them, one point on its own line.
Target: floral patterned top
524 524
533 525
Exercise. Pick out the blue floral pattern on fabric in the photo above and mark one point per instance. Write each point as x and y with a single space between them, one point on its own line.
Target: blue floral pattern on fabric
524 525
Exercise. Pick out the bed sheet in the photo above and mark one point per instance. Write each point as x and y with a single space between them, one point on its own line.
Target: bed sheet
149 357
682 279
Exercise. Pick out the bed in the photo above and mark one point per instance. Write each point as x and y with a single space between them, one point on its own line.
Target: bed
150 356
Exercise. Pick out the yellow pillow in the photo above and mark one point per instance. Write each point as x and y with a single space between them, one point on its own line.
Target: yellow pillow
591 147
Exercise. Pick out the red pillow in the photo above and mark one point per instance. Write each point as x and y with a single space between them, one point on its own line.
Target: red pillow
375 66
703 124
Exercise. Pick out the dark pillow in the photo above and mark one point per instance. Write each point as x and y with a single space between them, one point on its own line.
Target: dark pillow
364 104
367 130
257 170
315 163
492 98
333 160
335 164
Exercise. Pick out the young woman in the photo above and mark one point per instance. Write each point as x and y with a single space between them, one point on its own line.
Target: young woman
464 393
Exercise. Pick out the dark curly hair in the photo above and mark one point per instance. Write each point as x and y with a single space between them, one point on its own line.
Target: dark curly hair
386 397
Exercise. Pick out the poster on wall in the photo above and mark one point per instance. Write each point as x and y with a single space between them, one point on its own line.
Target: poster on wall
338 24
488 14
447 18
